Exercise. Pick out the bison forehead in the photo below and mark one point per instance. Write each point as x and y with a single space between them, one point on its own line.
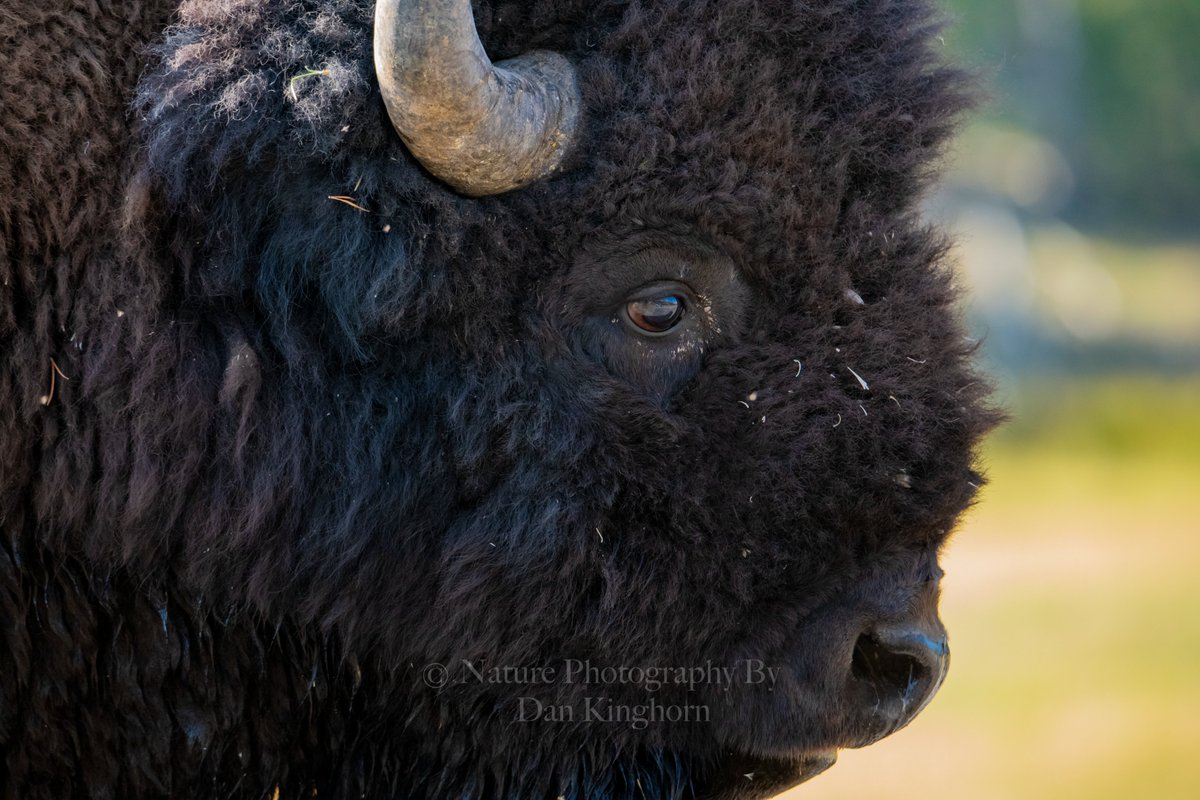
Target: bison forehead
764 123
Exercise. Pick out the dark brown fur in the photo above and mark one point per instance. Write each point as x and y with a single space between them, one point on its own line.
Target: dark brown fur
304 450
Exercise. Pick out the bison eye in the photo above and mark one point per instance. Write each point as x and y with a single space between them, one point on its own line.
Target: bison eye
657 313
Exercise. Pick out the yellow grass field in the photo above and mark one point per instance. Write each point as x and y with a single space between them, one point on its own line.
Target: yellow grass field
1073 601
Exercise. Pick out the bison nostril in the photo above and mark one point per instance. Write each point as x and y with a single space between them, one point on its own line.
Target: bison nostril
895 671
874 663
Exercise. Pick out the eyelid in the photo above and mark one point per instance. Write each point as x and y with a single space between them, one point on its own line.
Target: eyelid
662 288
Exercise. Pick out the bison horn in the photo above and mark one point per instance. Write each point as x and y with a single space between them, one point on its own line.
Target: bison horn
482 128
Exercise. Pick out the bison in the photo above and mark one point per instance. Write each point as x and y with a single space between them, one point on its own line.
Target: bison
427 399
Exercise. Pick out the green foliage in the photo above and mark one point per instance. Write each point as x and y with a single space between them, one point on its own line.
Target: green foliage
1114 84
1119 416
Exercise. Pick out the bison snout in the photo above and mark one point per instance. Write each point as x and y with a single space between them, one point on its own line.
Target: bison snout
894 672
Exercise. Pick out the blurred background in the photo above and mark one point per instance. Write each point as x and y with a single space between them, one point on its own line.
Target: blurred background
1073 589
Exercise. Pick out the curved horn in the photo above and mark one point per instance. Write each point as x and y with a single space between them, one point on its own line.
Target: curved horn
482 128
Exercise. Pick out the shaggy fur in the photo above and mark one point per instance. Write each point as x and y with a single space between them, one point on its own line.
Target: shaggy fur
305 450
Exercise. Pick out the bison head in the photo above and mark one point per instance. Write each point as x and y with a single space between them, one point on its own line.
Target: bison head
526 398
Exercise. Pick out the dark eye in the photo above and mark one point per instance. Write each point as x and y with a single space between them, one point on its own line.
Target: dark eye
656 315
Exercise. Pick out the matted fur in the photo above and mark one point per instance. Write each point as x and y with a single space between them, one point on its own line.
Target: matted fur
305 449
